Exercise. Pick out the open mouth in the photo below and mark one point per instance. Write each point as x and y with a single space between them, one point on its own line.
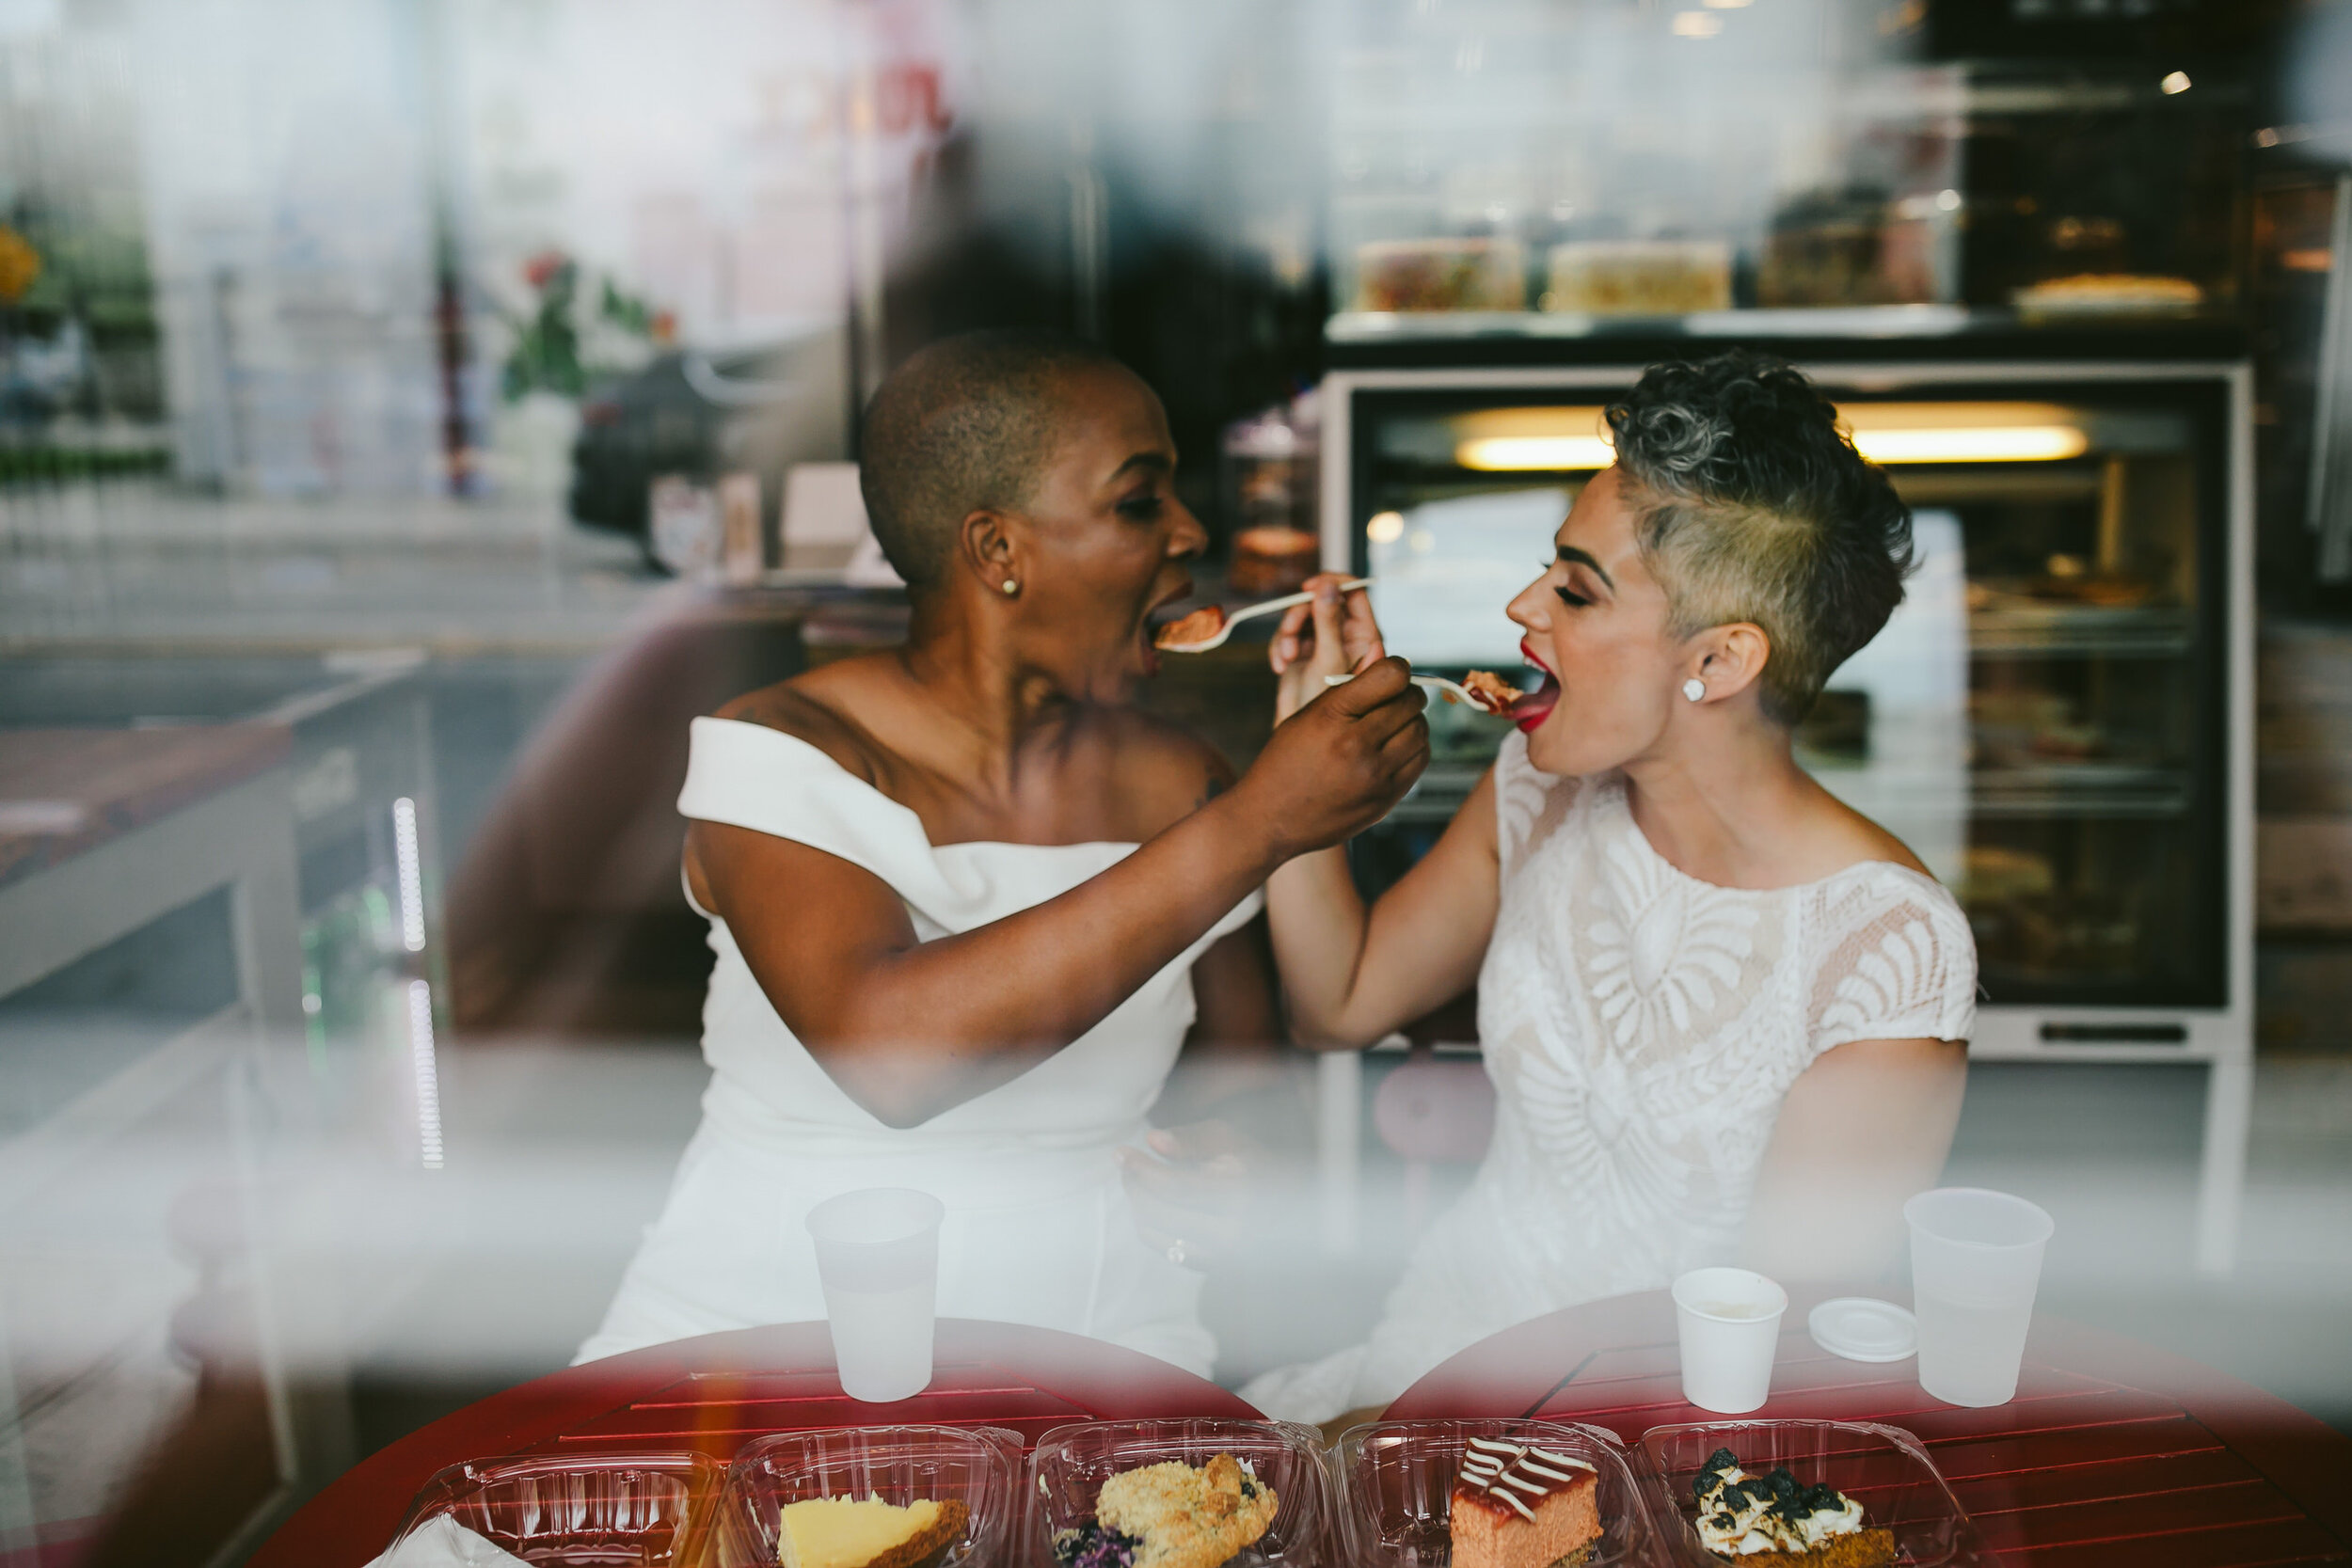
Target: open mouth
1536 706
1148 632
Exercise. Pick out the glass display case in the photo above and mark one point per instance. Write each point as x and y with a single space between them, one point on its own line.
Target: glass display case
2055 720
1890 194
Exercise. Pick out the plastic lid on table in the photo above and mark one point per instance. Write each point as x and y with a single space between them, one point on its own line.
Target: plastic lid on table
1862 1328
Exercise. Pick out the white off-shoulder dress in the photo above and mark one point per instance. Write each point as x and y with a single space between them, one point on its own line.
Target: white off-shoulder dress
1038 1230
1640 1028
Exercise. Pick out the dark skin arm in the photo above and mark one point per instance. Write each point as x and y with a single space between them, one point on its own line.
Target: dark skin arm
910 1029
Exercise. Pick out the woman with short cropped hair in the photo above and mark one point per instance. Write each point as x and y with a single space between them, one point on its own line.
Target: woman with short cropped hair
1724 1013
968 901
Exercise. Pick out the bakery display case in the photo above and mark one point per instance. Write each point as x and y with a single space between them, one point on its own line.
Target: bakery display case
2057 718
1872 194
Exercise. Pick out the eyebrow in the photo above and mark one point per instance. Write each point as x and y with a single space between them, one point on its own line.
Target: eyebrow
1158 460
1575 557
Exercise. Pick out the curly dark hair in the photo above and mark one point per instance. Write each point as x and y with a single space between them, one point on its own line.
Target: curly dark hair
966 423
1753 505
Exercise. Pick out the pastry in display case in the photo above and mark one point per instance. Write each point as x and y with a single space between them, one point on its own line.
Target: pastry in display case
1639 278
1270 482
1273 559
1855 246
1441 273
2109 294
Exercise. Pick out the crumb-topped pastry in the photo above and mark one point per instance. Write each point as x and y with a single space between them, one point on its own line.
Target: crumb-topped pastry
1520 1507
1185 630
846 1532
1740 1515
1171 1515
1490 691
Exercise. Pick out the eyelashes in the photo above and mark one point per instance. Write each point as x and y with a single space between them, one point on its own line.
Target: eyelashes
1142 509
1566 595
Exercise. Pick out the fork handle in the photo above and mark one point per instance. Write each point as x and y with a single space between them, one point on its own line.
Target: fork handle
1287 600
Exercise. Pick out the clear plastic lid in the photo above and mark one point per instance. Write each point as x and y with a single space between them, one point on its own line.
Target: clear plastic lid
1396 1489
616 1510
1069 1464
978 1466
1882 1467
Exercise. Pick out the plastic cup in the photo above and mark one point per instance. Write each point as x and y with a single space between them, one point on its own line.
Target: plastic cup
1976 1259
1729 1320
877 1259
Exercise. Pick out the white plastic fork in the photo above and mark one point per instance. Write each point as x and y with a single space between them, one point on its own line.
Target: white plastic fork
1451 691
1268 607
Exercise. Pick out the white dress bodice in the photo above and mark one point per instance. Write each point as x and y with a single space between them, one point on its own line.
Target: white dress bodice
1038 1228
1640 1028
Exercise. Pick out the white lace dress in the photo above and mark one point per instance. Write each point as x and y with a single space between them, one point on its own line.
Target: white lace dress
1640 1028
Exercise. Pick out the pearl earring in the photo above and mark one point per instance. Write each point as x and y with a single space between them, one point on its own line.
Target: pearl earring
1011 587
1694 689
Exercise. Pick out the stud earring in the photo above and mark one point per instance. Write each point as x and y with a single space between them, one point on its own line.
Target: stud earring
1011 587
1694 689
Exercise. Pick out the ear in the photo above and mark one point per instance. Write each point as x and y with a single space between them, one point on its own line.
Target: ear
984 542
1728 659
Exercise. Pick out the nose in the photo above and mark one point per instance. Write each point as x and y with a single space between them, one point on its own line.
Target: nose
1187 537
1529 608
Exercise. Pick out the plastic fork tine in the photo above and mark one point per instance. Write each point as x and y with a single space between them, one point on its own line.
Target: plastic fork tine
1454 691
1267 608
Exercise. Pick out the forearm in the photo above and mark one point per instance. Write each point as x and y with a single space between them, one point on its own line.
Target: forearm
1319 922
930 1024
1864 1128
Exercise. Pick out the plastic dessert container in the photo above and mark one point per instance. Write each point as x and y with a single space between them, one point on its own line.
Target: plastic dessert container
613 1510
979 1466
1882 1467
1071 1462
1396 1489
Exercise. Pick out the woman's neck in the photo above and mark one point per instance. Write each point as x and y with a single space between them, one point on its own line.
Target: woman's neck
990 707
1725 801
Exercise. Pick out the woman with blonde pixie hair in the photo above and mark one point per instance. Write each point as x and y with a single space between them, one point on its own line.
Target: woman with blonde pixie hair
1724 1015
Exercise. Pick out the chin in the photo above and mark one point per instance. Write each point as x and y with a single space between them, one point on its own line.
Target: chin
1572 753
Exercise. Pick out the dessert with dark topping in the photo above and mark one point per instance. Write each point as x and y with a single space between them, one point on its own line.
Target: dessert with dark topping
1171 1515
1515 1506
1775 1517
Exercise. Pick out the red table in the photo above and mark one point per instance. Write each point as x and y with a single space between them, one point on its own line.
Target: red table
718 1392
2112 1453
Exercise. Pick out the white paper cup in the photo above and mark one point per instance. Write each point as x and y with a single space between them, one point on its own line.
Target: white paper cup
1975 1260
877 1259
1729 1320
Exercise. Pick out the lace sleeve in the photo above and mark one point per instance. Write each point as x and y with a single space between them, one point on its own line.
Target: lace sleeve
1897 961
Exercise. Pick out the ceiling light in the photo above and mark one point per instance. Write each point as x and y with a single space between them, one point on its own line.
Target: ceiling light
1697 25
2176 81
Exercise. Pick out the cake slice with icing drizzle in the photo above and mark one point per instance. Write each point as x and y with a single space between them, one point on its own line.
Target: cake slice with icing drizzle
1517 1506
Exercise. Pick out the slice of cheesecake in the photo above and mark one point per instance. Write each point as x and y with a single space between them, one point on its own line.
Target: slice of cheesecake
1520 1507
845 1533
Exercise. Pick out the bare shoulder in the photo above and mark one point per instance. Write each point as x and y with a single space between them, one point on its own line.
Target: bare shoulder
1863 840
813 707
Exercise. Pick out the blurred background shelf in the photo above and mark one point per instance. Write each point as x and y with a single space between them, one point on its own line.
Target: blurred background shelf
2139 632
